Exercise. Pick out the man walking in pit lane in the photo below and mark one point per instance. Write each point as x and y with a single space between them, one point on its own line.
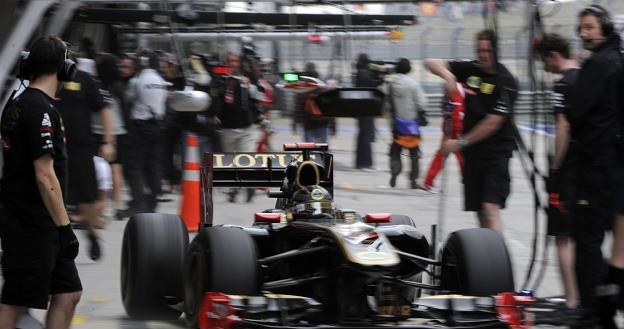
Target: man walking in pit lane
148 94
77 101
554 51
406 103
487 142
594 124
39 246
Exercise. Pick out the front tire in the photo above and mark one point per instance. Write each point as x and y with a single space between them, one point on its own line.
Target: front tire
219 259
152 258
476 263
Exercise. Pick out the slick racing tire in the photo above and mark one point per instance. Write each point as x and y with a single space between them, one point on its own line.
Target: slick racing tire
476 263
219 259
152 259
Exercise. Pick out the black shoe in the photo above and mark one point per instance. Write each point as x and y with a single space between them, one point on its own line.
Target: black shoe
232 196
393 180
414 185
250 194
95 252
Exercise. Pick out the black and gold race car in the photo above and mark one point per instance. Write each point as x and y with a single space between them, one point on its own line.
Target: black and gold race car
306 263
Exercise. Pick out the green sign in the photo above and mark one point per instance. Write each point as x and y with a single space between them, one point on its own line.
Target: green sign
291 77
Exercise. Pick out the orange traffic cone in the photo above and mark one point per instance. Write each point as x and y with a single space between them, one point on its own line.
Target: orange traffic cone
189 207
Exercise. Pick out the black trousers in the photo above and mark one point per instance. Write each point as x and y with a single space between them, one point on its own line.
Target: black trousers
593 215
395 161
144 163
366 135
171 144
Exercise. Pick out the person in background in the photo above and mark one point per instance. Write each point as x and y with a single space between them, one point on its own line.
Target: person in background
111 88
236 108
316 128
594 125
406 102
555 52
148 94
38 243
175 124
77 101
487 141
364 77
127 70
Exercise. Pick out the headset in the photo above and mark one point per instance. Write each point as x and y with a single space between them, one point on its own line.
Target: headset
608 27
66 72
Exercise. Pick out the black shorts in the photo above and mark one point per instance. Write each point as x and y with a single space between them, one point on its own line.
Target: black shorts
559 222
82 180
31 267
485 180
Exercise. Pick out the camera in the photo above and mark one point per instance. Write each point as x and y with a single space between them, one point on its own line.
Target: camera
380 70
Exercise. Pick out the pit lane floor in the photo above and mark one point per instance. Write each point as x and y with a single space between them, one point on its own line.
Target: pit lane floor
101 305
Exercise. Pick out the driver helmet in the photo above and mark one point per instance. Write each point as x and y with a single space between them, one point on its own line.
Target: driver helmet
312 201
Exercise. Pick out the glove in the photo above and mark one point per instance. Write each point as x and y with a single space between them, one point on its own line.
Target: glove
553 182
69 244
555 202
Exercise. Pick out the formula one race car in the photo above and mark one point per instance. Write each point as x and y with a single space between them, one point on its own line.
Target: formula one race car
306 263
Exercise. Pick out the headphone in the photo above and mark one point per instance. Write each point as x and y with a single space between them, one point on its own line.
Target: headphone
608 27
66 72
68 69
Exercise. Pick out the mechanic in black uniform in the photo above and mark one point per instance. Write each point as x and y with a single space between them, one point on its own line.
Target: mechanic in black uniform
487 142
554 50
38 243
78 99
594 125
365 77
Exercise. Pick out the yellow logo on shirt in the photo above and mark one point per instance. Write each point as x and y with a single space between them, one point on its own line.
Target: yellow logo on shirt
72 86
487 88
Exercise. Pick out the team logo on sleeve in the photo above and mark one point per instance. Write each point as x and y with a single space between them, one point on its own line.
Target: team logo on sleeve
45 122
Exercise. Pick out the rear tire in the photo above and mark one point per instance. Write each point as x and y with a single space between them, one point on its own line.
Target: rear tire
476 263
220 259
152 258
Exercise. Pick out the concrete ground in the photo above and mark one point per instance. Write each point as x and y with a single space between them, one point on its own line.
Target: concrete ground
101 305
